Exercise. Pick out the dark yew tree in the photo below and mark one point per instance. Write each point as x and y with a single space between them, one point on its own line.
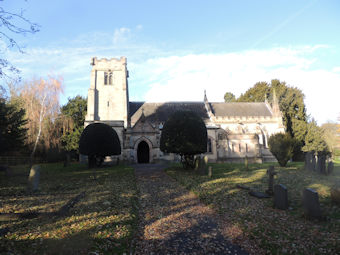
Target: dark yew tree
12 128
281 146
97 141
184 133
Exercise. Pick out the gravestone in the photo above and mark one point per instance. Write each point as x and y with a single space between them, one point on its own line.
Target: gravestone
311 203
335 194
321 164
271 173
209 171
330 167
33 178
280 197
203 165
246 162
313 166
308 161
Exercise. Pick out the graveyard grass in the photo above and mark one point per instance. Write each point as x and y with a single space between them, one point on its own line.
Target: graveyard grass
253 222
103 221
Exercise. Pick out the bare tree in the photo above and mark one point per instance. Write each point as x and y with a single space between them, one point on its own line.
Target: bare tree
12 24
40 98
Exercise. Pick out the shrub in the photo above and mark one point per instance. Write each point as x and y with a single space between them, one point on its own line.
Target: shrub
97 141
184 133
281 146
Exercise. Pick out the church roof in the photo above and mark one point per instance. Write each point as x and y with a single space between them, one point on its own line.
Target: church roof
240 109
160 112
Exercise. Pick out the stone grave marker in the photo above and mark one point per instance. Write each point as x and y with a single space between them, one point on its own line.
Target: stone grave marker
33 178
308 161
321 164
203 165
280 197
271 173
330 167
210 171
313 165
311 203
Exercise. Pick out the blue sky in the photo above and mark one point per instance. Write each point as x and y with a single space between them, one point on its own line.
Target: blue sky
177 49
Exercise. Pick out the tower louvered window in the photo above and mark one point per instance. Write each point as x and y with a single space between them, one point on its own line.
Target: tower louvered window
108 78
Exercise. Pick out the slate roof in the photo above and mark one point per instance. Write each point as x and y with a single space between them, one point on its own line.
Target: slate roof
160 112
240 109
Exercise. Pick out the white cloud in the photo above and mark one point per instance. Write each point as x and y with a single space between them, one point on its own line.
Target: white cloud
186 77
121 35
172 76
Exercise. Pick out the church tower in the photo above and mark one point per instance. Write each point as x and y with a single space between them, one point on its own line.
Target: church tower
108 95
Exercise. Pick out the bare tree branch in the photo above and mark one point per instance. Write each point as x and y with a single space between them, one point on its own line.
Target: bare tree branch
13 23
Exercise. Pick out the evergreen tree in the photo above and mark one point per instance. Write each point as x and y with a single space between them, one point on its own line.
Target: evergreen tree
184 133
229 97
12 130
314 140
74 116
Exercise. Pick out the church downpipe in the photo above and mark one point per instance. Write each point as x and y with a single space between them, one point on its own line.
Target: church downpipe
143 152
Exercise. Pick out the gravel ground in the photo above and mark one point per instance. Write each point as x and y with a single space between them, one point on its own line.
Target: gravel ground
172 219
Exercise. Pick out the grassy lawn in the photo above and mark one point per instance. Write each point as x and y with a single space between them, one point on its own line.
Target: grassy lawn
104 221
272 231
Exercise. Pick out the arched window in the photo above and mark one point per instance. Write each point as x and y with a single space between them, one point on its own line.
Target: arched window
107 78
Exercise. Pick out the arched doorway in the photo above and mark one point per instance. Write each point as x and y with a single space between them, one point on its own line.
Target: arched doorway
143 152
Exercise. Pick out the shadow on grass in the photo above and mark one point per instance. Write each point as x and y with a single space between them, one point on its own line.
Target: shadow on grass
273 230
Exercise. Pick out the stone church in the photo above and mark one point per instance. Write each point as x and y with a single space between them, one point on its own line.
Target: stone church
235 130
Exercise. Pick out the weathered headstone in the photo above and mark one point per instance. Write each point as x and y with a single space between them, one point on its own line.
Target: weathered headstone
311 203
280 197
33 178
321 164
313 166
203 166
330 167
308 161
210 171
335 194
271 173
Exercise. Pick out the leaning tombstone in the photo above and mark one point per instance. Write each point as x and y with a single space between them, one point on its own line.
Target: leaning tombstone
33 178
330 167
280 197
271 173
311 203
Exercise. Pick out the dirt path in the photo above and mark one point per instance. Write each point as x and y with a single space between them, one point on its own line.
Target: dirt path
173 221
